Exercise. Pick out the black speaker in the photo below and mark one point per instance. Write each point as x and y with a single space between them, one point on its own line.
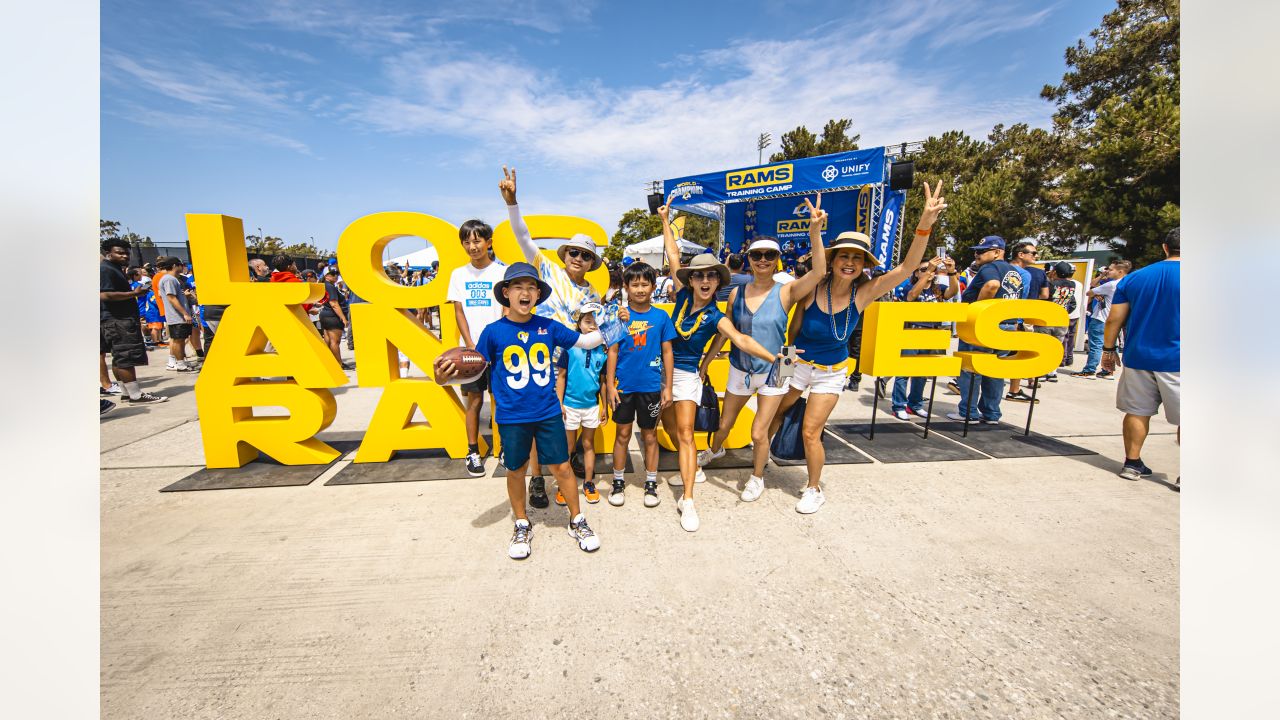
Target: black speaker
901 175
655 202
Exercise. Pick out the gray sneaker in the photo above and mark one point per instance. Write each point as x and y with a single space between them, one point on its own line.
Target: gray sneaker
144 399
521 541
579 530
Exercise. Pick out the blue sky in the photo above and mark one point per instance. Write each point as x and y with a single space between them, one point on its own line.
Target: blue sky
300 117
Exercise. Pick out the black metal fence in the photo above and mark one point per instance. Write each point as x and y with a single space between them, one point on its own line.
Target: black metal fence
144 255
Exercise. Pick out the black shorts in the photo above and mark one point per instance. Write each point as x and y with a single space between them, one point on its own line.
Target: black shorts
330 321
642 408
181 331
122 337
480 385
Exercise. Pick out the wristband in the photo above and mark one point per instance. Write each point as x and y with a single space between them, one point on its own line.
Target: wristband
1108 349
924 233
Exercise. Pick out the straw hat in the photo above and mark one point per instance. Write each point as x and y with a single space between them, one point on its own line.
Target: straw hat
704 262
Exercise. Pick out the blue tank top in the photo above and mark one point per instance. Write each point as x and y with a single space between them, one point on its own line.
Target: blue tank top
768 325
816 338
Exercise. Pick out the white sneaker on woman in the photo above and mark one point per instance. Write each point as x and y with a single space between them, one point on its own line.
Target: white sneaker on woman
755 486
708 455
688 516
810 501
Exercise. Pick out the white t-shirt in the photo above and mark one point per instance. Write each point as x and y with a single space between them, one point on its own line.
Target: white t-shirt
1103 308
473 289
1075 314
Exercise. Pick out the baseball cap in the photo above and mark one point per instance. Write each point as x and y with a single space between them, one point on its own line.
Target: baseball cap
1063 268
764 244
990 242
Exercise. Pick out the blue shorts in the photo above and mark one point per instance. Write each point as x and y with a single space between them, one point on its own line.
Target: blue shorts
517 439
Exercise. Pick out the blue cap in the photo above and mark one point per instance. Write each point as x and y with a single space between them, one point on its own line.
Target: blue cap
989 242
626 261
333 261
515 271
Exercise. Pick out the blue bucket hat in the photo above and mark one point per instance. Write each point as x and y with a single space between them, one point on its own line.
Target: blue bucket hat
990 242
515 271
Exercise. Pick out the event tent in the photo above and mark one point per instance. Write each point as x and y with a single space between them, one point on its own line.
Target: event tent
653 250
419 260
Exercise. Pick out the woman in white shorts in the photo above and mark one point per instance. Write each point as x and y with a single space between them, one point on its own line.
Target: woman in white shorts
826 322
759 309
697 320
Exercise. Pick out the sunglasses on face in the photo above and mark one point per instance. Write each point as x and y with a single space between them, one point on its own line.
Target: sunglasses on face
703 274
574 253
758 255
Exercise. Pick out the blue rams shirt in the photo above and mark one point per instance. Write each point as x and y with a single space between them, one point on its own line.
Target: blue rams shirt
522 380
686 354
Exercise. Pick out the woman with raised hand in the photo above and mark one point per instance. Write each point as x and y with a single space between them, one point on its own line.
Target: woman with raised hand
697 319
830 316
759 310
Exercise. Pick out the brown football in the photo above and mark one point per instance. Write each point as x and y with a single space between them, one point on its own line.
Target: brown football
470 364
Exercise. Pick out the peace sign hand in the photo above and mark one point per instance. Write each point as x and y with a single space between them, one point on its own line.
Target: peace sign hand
507 186
817 216
934 204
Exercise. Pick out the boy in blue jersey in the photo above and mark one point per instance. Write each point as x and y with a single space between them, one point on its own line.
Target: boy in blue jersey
638 380
519 348
579 384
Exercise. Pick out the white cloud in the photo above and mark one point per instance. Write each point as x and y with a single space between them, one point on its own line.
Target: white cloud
604 142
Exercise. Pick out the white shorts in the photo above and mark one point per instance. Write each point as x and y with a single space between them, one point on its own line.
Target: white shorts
575 418
818 380
740 383
1142 392
685 385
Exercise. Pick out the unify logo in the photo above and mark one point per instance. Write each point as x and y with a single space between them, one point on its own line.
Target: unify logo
829 173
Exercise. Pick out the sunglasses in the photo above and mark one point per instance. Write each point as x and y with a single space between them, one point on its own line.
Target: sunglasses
582 254
758 255
703 274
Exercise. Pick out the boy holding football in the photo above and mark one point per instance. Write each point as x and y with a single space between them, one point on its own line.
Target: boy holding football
518 348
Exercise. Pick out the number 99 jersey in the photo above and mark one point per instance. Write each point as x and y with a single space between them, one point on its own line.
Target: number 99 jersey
522 378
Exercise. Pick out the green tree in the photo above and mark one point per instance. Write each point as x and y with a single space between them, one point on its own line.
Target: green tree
1119 118
699 229
108 229
636 225
306 250
800 143
264 246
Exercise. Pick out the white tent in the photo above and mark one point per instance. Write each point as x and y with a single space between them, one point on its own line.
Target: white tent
653 250
418 260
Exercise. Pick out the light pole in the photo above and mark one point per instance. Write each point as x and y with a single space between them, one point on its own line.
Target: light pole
762 142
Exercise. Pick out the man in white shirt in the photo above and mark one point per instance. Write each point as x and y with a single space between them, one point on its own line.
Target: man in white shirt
1103 287
475 306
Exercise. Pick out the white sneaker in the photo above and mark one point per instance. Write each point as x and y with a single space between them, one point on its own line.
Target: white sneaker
115 389
678 481
688 516
810 501
521 542
579 530
958 417
901 414
755 486
706 456
651 498
618 495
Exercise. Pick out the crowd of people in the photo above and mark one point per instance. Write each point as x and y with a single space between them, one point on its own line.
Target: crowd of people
563 358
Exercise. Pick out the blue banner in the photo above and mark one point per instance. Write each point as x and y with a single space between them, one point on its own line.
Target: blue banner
788 219
838 170
887 235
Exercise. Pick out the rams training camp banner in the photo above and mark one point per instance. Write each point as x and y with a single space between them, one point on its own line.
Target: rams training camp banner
887 229
838 170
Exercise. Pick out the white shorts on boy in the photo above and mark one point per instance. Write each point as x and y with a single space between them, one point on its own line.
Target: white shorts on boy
575 418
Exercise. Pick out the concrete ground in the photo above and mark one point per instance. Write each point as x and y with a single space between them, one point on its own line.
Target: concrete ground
1017 588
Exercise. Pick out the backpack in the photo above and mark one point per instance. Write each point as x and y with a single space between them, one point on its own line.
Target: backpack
1065 295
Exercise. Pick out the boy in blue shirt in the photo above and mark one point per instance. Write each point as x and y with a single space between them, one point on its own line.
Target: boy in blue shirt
518 348
578 384
638 380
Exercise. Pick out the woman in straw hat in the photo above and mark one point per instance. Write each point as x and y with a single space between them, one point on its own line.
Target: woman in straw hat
826 320
697 319
759 309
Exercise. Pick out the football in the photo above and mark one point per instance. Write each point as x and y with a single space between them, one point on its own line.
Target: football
470 364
